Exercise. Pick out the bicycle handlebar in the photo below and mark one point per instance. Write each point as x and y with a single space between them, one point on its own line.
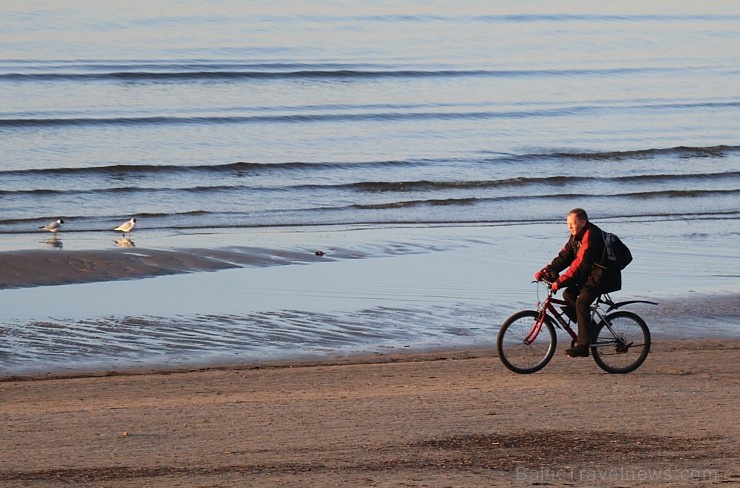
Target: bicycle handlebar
547 283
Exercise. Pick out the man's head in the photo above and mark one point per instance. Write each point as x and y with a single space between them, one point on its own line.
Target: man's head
577 220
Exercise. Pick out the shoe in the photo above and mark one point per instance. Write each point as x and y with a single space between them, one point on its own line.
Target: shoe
577 352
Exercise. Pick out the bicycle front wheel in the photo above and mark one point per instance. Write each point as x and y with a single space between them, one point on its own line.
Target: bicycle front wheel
622 342
518 350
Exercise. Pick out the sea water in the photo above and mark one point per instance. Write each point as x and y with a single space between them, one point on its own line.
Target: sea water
232 119
192 115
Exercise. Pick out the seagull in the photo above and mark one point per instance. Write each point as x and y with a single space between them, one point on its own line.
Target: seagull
127 226
53 227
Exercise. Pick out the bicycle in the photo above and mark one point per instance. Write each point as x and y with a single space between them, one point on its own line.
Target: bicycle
621 339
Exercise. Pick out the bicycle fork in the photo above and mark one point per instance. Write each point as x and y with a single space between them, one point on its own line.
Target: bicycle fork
536 328
542 316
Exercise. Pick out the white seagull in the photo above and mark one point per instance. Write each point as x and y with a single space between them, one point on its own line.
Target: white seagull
53 227
127 226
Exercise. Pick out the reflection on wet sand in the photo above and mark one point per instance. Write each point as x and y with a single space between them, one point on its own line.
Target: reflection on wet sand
54 242
125 242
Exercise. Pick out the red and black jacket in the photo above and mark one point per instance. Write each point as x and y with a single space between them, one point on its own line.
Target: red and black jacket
580 259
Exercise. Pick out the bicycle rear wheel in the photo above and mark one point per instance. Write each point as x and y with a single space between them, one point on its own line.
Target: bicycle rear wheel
522 356
624 345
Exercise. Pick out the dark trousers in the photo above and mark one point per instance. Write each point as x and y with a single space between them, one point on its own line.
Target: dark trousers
579 300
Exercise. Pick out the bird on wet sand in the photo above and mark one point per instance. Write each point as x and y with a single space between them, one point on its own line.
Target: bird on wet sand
127 226
53 227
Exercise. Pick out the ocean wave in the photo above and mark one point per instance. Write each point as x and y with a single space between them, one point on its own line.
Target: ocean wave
521 182
244 167
410 212
215 72
552 197
113 218
347 113
25 123
241 167
678 151
390 186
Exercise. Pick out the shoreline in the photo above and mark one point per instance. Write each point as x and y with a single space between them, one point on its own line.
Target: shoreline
91 260
454 353
456 418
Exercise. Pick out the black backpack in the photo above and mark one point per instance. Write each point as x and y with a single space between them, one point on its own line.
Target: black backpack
616 253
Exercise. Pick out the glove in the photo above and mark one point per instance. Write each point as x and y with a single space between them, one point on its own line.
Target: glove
554 287
551 275
546 274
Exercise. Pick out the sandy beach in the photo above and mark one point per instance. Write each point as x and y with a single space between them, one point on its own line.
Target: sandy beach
409 414
454 418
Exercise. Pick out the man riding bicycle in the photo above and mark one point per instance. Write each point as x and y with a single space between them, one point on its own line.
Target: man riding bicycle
582 274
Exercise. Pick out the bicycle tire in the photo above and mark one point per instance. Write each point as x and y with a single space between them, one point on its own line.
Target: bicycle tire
625 353
518 356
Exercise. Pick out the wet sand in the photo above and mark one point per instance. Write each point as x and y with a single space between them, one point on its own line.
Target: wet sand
437 419
439 289
30 268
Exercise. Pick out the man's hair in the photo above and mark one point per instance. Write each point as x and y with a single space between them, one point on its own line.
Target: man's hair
579 213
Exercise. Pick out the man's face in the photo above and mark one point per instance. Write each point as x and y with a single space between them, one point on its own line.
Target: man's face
574 224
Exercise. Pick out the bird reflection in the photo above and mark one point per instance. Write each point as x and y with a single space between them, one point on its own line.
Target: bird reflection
54 242
125 242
